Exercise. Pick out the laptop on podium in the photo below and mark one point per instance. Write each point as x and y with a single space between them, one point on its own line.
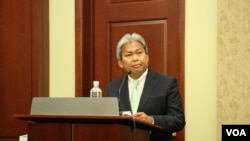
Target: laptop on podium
78 106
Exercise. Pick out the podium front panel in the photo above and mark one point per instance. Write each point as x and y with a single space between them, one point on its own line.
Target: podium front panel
84 132
86 128
49 132
102 132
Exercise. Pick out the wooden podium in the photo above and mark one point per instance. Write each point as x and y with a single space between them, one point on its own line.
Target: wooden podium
86 128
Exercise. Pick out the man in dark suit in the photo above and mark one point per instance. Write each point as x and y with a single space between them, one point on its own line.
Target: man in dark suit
154 98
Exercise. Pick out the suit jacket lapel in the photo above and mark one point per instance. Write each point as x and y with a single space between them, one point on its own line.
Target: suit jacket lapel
125 105
147 90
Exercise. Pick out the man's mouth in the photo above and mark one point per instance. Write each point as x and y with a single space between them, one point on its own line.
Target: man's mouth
136 65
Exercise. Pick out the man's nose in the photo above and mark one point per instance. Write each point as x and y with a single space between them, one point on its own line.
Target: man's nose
135 56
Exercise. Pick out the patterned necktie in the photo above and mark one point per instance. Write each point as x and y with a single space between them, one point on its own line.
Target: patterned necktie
134 101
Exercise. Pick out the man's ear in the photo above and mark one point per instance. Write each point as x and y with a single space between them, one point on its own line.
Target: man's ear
120 63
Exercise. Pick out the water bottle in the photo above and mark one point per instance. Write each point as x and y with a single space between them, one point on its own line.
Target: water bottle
95 92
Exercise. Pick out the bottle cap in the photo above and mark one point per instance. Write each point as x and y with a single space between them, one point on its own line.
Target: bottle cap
96 83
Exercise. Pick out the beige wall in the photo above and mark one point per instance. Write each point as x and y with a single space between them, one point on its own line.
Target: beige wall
62 48
200 70
233 62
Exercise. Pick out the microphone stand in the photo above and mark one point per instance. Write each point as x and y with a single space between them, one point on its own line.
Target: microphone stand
119 90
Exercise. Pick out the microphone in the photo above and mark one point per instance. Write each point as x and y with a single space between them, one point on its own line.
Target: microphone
119 90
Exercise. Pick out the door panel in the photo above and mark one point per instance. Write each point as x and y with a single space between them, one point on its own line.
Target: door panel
15 67
20 72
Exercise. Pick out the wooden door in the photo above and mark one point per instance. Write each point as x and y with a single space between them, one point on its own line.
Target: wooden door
21 62
101 23
155 20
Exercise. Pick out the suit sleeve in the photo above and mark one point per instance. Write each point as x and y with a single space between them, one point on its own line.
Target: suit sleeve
174 120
